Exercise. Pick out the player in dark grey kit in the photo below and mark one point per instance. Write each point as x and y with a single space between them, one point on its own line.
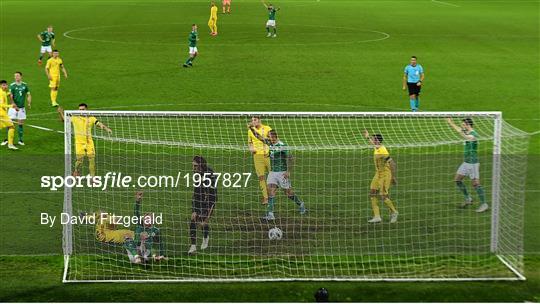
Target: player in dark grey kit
203 203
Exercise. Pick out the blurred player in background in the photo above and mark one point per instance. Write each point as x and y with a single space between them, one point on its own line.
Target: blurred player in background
212 22
412 79
227 4
47 42
260 153
193 38
271 23
385 175
5 121
84 142
19 94
202 204
52 70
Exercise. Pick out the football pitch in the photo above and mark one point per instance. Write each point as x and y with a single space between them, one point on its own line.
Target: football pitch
327 56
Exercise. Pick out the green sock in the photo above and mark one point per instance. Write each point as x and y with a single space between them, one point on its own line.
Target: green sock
270 207
20 132
480 191
295 199
461 186
275 31
268 30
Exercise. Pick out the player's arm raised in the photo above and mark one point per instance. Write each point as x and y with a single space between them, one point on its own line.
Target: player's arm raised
257 135
458 129
366 136
264 3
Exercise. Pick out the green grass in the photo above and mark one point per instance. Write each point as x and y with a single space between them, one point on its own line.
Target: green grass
481 55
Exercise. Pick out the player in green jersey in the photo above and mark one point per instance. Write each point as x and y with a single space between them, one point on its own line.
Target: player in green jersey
271 23
140 248
47 43
20 94
192 39
470 166
280 172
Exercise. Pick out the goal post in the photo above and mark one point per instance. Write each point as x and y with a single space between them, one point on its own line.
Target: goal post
330 168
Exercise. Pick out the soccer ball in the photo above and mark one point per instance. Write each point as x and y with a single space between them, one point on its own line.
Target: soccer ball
275 233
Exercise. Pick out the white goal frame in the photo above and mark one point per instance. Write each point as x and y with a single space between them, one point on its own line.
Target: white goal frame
495 197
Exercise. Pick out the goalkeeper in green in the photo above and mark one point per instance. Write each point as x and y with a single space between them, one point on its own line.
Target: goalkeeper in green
141 248
279 176
470 166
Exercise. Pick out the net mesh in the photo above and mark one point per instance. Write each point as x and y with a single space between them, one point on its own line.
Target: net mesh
333 167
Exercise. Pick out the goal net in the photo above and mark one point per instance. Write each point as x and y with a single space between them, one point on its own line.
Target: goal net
436 237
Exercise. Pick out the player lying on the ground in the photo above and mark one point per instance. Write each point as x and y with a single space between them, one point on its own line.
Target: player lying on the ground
280 172
271 23
5 121
202 204
385 176
260 154
139 243
140 248
84 142
471 165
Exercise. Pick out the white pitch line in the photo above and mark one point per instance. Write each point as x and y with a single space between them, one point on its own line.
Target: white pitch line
445 3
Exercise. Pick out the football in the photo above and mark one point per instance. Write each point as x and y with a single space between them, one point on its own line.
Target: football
275 233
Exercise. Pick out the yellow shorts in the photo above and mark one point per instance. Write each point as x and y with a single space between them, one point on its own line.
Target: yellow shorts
262 164
115 236
5 121
54 82
84 149
381 183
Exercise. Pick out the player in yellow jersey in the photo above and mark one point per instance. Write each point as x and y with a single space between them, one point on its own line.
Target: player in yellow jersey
260 153
106 230
52 70
84 143
5 121
212 22
385 176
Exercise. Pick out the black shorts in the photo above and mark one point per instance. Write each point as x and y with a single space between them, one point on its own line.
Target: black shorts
203 209
414 89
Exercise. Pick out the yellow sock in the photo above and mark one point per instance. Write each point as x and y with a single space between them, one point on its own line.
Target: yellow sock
54 94
264 190
215 28
11 135
375 206
390 205
92 166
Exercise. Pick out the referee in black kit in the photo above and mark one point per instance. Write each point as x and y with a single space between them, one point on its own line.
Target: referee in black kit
203 203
